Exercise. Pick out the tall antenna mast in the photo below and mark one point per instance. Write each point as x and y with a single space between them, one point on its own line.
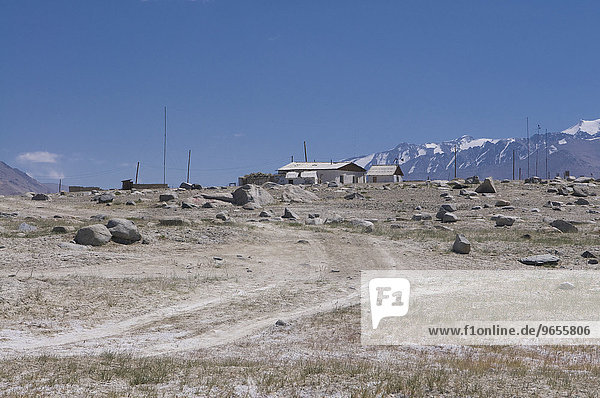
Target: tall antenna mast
527 146
165 151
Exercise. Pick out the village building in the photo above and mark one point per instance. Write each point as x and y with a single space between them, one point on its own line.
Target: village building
385 173
321 172
129 184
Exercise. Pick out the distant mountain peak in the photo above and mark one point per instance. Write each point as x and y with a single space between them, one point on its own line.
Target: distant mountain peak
591 127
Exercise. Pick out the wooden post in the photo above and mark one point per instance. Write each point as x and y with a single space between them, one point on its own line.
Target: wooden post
59 185
305 157
137 170
189 159
513 164
455 152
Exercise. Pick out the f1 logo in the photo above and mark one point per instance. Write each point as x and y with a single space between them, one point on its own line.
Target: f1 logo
388 297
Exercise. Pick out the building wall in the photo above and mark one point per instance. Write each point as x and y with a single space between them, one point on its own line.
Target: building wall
392 178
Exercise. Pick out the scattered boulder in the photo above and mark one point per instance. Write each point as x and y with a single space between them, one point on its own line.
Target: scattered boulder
60 229
208 205
502 203
334 219
252 193
188 205
540 259
173 221
588 254
472 180
279 322
40 196
314 221
367 226
287 213
333 184
487 186
502 221
24 227
167 196
251 206
449 217
421 217
186 185
564 226
566 286
123 231
106 198
582 202
580 191
296 194
223 215
93 235
99 217
448 207
354 195
461 245
563 190
130 203
266 213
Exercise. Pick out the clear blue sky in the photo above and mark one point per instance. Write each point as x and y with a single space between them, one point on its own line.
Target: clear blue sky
245 82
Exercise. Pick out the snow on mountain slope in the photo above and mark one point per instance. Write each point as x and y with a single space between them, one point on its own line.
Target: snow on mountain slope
591 127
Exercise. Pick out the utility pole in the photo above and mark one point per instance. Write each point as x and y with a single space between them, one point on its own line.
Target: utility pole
527 148
305 157
59 185
137 170
165 151
547 175
455 156
513 164
189 159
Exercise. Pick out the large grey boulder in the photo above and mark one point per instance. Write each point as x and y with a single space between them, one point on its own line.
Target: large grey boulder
449 217
106 198
294 193
507 221
123 231
472 180
580 191
487 186
167 196
563 226
252 193
40 196
93 235
287 213
461 245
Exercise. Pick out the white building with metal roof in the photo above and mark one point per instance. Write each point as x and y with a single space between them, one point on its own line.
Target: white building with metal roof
385 173
321 172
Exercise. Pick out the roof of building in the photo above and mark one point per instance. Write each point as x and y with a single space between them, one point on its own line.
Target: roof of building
385 170
302 166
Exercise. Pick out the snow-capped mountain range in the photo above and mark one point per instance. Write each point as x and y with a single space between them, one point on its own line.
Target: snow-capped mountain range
576 149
